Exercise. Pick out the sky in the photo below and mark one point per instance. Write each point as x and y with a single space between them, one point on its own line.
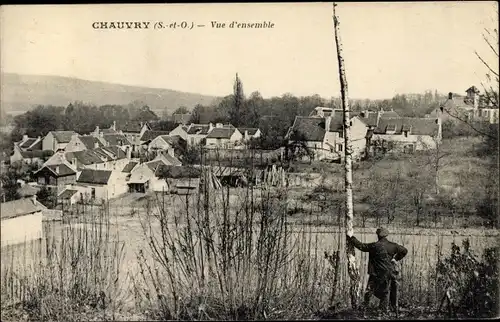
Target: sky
389 48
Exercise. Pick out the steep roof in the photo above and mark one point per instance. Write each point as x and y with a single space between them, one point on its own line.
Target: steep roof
221 133
129 167
251 130
311 128
337 122
61 170
85 157
36 154
115 152
200 129
116 139
94 176
67 194
131 127
19 207
150 135
153 165
63 136
89 141
26 144
419 126
168 159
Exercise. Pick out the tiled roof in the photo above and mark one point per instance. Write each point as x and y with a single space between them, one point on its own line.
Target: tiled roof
85 157
153 165
63 136
36 154
131 127
94 176
67 194
170 160
251 130
419 126
150 135
115 152
177 172
26 144
116 139
89 141
64 170
337 122
36 146
311 128
20 207
221 133
200 129
128 168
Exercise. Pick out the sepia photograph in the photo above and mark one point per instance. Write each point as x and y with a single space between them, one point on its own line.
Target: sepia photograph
249 161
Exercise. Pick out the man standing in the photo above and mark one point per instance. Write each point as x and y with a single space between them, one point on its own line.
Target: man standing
382 270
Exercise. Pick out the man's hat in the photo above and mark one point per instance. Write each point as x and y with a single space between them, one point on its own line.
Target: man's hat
382 232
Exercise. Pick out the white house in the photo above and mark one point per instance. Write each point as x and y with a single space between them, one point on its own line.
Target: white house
324 137
223 137
249 133
145 177
56 140
102 184
21 221
180 130
406 134
83 142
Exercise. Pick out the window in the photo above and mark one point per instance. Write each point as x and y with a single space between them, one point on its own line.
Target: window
92 193
340 147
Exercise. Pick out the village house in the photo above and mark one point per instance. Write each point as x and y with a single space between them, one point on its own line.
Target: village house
72 195
324 137
150 135
170 144
57 140
223 137
83 142
104 158
472 107
405 134
144 177
197 133
250 133
182 131
101 185
56 176
29 150
21 221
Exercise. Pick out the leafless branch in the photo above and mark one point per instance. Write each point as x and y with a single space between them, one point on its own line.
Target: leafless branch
470 125
486 64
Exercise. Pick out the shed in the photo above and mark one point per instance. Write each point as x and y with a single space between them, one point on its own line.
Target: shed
21 221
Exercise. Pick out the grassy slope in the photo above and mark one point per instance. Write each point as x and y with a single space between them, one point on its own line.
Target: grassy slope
20 92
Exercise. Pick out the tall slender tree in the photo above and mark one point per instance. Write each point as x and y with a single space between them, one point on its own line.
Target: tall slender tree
352 267
236 113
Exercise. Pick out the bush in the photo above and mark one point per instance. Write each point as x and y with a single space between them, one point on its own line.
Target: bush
471 283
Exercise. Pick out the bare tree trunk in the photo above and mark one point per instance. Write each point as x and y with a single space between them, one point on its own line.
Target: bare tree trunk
349 212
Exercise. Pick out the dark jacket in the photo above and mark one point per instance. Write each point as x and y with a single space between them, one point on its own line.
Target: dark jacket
380 255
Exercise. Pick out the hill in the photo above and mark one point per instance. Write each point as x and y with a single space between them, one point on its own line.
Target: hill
20 93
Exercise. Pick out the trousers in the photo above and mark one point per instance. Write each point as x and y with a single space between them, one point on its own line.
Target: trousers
385 289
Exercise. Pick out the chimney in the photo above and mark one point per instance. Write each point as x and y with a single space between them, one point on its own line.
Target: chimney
170 151
57 169
96 144
25 137
114 125
97 129
129 153
33 198
450 95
